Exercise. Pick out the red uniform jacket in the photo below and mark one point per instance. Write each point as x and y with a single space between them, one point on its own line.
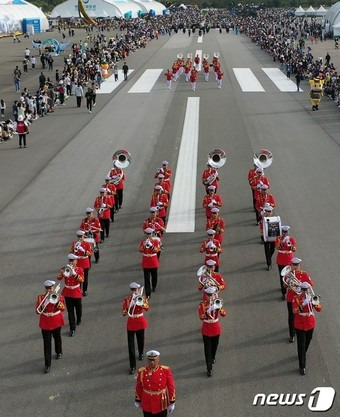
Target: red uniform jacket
91 225
220 284
84 252
150 259
136 320
262 199
285 252
210 326
208 199
304 315
72 287
52 317
206 174
111 191
155 223
118 172
163 199
165 185
169 75
218 225
302 276
206 68
193 76
167 174
155 388
105 213
257 179
251 175
211 253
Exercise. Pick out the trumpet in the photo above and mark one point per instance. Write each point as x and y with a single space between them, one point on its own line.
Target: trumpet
68 271
263 158
315 297
290 279
50 297
148 244
217 304
78 247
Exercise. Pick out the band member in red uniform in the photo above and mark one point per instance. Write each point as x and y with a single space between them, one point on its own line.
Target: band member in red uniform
211 200
269 247
164 184
210 177
209 312
262 198
193 78
206 70
91 226
212 248
149 247
103 204
258 178
304 321
51 321
72 292
160 199
216 223
134 307
166 172
285 246
187 71
169 76
219 78
155 388
251 177
197 61
302 276
83 250
154 222
211 279
118 179
111 191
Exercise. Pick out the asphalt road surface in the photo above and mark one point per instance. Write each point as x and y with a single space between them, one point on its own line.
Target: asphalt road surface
46 188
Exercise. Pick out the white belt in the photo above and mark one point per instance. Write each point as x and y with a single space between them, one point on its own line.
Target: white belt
306 314
285 251
211 254
72 287
136 316
149 254
52 314
211 321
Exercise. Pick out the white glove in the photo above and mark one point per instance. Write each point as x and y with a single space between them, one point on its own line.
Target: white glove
171 408
159 203
286 239
103 205
211 205
137 404
306 300
214 201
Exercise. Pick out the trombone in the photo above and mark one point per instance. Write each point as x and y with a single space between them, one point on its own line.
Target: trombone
137 300
50 297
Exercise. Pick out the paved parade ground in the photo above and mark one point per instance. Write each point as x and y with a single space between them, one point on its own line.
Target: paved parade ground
46 188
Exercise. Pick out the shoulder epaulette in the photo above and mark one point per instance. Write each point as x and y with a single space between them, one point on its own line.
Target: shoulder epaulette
164 367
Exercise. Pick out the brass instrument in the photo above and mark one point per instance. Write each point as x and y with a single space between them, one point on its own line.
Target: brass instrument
137 300
205 279
68 271
263 158
206 56
50 297
121 159
102 206
216 303
78 247
216 55
180 56
315 297
289 279
148 244
189 56
217 158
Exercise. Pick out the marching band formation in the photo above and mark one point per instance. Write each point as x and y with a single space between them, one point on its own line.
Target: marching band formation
191 67
295 284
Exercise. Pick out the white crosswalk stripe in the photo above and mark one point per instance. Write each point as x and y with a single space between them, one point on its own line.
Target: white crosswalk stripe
146 81
247 80
110 84
280 79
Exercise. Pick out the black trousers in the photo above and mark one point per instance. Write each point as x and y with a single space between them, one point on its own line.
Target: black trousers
47 336
163 413
210 349
269 249
254 200
131 345
78 100
119 199
74 308
105 225
86 280
303 341
22 139
283 288
290 319
89 104
153 274
112 212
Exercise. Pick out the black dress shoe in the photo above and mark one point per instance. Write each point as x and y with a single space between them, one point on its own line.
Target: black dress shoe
269 267
153 289
47 369
283 297
132 371
141 357
59 356
303 371
214 360
72 333
84 293
291 339
209 373
78 322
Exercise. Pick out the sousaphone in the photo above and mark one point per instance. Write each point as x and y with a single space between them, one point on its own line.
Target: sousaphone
121 159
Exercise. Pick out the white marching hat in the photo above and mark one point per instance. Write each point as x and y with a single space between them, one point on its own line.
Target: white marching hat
80 233
296 261
215 210
158 188
48 283
134 285
211 187
264 187
210 290
165 163
161 176
153 209
268 208
89 210
152 354
210 262
148 230
211 232
107 177
305 285
285 228
102 190
72 256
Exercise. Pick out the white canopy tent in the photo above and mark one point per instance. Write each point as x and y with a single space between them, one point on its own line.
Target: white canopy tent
310 11
14 12
148 5
321 11
299 12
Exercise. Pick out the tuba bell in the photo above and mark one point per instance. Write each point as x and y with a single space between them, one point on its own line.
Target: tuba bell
189 56
217 158
216 55
263 158
121 159
179 56
206 56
